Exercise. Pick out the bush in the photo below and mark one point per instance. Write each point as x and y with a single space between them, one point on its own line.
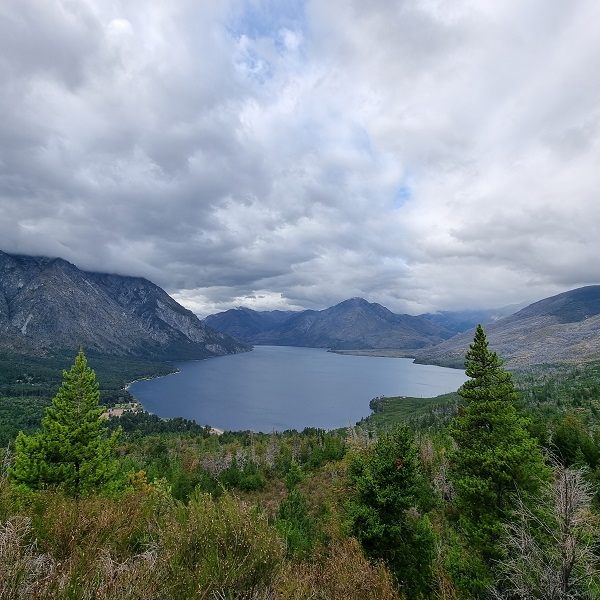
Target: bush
215 546
341 573
382 510
295 525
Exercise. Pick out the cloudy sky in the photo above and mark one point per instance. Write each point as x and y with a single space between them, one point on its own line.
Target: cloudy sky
423 154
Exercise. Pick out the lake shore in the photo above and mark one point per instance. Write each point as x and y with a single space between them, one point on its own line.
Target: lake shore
384 353
128 385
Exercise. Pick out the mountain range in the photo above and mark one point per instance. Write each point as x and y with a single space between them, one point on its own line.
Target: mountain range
353 324
49 306
562 328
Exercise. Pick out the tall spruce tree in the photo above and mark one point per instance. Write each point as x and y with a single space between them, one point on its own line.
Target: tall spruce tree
495 454
73 450
382 509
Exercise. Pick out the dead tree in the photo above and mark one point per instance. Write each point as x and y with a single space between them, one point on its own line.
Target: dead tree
551 550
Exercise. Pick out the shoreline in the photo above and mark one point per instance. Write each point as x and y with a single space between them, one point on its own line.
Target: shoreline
382 353
129 384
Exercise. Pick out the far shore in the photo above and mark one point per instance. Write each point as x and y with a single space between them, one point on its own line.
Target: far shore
385 353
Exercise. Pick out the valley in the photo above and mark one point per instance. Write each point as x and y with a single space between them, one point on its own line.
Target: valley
285 509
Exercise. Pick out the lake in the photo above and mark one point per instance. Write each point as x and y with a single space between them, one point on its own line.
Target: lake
280 387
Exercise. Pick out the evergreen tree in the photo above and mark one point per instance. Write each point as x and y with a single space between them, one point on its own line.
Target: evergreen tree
495 454
383 509
73 450
293 520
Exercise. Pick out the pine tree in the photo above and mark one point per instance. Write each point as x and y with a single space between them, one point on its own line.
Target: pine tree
382 510
495 454
73 450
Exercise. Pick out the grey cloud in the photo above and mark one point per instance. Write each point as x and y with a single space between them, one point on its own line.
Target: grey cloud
52 41
421 155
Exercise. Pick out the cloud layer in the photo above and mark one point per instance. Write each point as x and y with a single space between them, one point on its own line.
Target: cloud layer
420 154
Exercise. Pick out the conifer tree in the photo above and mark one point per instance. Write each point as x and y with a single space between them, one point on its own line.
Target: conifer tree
495 454
382 509
73 450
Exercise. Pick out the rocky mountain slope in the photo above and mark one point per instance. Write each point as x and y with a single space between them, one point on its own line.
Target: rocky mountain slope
47 305
562 328
249 325
353 324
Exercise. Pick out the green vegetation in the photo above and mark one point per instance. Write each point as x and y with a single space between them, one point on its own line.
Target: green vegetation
28 384
72 451
420 413
20 414
34 376
488 493
495 454
384 510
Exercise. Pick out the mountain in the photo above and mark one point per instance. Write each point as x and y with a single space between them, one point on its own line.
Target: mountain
47 306
463 320
246 324
353 324
562 328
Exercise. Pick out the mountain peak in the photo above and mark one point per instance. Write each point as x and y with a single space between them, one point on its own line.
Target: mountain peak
48 305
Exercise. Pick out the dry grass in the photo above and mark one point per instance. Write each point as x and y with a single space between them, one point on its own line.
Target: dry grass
69 529
24 572
219 547
341 573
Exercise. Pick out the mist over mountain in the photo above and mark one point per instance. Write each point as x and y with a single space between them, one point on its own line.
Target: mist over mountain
562 328
353 324
458 321
48 305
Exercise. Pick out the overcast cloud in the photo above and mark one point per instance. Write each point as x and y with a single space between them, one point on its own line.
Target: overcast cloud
422 154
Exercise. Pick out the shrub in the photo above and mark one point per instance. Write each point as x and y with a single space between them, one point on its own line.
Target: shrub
387 487
295 525
218 547
341 573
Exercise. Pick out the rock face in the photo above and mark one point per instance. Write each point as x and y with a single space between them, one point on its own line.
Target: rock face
562 328
48 305
353 324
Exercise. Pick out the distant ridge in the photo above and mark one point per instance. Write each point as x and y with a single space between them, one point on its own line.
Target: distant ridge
48 305
562 328
458 321
353 324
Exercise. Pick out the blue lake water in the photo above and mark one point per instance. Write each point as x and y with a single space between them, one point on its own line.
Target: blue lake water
280 387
